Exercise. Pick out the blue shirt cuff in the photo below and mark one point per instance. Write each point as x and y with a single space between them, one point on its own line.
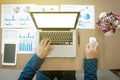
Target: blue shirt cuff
35 62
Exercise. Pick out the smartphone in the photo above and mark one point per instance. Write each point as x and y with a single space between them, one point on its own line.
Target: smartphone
10 54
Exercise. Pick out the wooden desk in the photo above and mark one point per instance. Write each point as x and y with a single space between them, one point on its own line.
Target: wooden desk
108 55
109 46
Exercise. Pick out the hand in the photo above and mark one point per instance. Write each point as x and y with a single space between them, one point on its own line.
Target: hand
44 48
92 50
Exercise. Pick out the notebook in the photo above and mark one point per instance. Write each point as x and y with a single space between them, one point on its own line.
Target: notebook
60 27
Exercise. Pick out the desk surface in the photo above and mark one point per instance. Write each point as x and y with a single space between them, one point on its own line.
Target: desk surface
108 54
109 46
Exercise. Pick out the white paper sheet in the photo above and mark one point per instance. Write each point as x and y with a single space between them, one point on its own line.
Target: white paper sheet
25 39
87 15
44 8
16 16
9 36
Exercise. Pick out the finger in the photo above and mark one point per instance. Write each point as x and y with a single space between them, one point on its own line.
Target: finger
49 42
97 46
42 42
46 42
92 45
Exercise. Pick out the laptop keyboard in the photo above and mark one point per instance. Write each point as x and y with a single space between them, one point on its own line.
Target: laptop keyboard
58 38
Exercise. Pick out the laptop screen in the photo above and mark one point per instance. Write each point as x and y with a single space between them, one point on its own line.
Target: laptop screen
55 19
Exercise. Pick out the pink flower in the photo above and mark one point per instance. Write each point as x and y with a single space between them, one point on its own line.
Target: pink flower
117 16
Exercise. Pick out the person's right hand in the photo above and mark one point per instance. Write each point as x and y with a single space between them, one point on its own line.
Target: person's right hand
44 48
92 50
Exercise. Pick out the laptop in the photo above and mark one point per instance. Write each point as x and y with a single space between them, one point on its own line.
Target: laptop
60 27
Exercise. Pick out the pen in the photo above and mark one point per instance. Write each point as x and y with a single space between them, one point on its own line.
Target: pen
78 34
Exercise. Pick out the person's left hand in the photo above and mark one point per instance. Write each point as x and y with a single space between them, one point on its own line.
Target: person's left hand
44 48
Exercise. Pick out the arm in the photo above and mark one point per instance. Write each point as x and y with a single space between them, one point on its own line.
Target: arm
91 62
90 69
31 67
36 61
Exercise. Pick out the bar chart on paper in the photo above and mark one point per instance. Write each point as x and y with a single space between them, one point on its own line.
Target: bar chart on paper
26 42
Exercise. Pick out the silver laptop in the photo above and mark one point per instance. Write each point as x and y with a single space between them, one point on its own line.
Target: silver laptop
60 28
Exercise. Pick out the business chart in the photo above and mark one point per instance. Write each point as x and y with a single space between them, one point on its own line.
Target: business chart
16 16
87 15
44 8
25 45
26 41
23 38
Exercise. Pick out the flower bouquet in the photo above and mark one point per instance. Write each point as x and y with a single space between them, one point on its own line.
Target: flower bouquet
108 22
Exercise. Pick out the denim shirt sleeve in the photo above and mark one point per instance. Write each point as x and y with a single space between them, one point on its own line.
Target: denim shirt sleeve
90 69
31 67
